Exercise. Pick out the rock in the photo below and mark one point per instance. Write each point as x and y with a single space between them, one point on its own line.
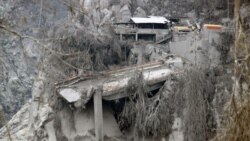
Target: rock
116 9
4 10
31 49
17 95
88 5
18 126
141 3
106 16
140 12
20 58
104 4
124 2
125 13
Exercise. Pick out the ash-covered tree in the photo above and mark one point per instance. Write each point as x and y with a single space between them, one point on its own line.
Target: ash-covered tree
133 6
208 7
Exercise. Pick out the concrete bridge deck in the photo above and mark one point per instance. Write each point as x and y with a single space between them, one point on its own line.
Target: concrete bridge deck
111 85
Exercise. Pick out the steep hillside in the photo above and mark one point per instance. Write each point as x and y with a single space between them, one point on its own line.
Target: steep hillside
47 41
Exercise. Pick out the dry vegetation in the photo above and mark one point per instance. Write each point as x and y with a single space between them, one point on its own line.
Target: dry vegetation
75 52
2 117
79 52
198 120
238 110
225 46
188 95
149 116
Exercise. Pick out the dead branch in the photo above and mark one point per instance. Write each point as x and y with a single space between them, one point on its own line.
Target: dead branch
73 8
42 45
37 41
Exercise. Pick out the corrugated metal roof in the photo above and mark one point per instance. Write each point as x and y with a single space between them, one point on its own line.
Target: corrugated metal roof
150 19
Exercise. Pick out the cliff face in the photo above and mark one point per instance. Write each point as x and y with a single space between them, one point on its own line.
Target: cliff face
20 56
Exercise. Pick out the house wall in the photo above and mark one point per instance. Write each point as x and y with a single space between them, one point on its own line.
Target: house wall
124 30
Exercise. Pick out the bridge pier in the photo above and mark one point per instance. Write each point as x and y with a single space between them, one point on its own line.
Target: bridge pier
121 37
98 111
136 37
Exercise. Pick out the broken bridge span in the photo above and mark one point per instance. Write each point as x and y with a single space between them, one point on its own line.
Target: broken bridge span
111 85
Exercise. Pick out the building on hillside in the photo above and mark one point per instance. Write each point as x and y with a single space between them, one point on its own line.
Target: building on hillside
153 29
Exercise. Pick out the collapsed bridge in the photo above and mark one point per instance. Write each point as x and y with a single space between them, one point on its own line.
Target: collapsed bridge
111 85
